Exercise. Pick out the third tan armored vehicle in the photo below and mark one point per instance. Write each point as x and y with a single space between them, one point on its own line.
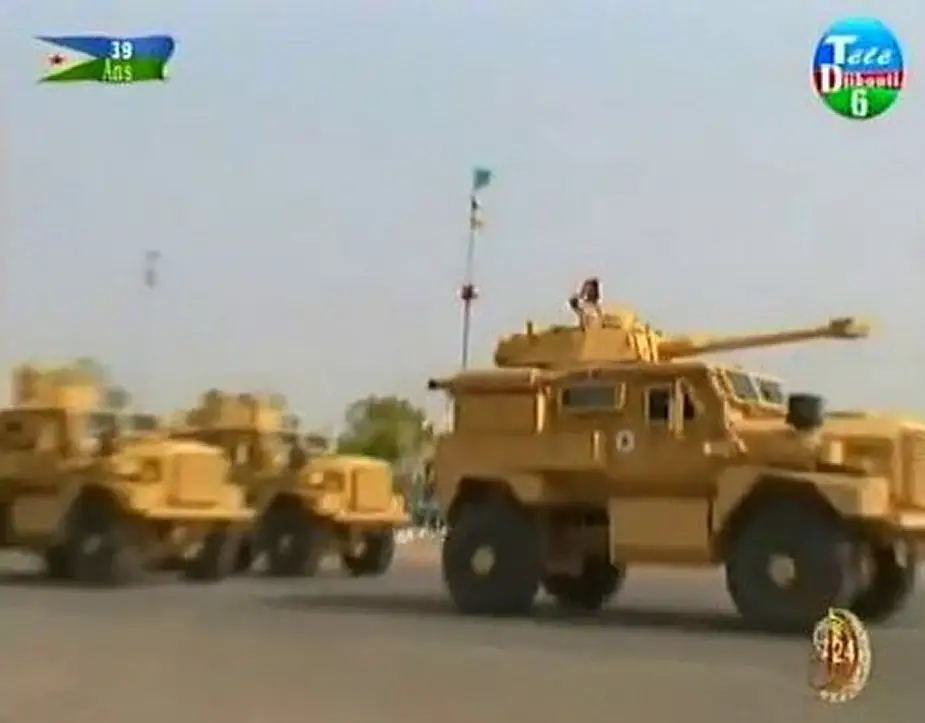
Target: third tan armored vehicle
605 444
101 506
306 505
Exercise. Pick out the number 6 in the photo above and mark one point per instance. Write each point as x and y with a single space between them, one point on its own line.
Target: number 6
859 105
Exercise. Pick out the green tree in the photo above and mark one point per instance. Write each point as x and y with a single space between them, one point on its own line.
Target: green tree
390 428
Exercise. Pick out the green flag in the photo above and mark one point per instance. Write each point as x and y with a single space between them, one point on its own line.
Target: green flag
481 177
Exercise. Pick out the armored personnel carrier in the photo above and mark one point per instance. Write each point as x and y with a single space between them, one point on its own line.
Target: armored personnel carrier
101 507
593 447
306 506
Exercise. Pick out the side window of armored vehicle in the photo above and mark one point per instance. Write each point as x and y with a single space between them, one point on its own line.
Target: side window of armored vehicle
660 400
658 404
597 397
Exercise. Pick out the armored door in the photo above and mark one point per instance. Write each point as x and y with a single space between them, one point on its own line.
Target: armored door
682 418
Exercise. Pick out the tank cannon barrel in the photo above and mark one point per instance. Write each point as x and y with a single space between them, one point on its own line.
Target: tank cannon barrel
685 346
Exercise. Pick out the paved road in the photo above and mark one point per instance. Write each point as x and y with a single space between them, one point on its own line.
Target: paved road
344 651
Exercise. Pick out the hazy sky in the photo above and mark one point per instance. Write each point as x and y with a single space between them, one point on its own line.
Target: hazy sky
305 175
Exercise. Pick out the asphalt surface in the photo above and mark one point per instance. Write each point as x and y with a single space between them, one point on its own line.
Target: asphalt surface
335 650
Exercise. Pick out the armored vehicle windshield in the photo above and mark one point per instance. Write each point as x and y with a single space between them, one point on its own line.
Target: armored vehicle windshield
753 388
771 391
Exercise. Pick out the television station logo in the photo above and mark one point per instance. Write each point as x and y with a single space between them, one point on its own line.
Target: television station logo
840 662
858 69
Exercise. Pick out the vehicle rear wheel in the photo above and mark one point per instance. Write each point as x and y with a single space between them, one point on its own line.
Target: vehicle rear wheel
492 560
376 556
214 561
292 541
790 562
99 549
890 584
597 583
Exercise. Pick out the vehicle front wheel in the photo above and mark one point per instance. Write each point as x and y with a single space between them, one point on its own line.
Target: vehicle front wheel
214 561
376 556
492 560
788 563
98 547
597 583
291 538
890 583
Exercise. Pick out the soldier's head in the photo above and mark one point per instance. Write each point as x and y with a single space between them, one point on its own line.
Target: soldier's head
591 290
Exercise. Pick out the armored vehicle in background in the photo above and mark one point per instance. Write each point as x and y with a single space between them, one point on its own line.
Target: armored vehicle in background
100 506
306 506
605 444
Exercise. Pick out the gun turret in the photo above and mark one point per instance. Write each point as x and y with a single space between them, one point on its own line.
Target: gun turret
53 386
619 335
223 410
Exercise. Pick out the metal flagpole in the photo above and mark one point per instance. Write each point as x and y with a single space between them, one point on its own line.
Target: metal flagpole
468 293
151 279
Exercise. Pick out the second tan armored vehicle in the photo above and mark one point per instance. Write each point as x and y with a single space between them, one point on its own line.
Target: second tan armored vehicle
306 506
100 508
595 447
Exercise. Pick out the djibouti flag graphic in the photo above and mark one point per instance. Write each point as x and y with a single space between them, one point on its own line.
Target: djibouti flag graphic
105 59
65 64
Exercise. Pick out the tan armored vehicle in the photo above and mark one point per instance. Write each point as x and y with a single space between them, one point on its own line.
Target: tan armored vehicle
597 446
306 506
101 507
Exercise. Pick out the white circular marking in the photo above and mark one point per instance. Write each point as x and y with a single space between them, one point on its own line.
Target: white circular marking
625 441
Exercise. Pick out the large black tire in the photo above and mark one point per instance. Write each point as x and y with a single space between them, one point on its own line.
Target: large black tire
376 556
598 582
891 582
98 547
512 539
292 539
56 563
822 549
215 559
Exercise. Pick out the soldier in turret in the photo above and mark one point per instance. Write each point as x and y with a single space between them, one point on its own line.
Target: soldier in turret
586 303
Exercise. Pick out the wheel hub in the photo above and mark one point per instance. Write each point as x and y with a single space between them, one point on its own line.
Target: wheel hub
284 543
483 560
866 566
91 544
782 570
